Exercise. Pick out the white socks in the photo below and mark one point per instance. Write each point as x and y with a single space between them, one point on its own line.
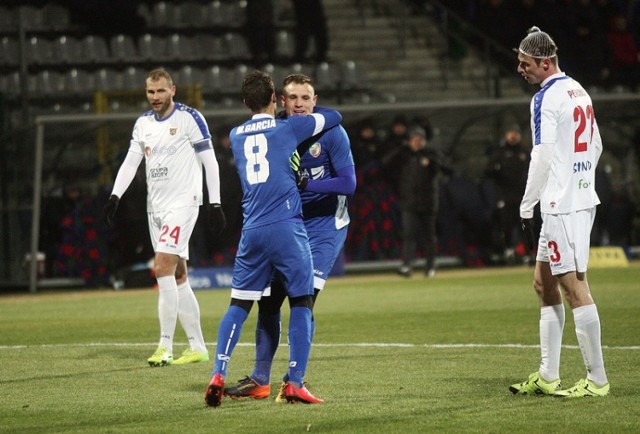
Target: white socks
189 316
587 324
167 310
551 326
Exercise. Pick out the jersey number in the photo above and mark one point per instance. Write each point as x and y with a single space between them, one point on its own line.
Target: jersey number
173 234
255 150
582 117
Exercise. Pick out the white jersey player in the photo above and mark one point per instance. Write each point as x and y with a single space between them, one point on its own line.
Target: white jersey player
175 142
566 149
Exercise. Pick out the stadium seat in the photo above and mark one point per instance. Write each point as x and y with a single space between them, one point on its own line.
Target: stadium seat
94 49
8 51
285 45
187 76
326 76
161 14
78 82
123 48
133 78
180 47
190 14
107 79
211 47
151 47
39 51
237 46
65 49
33 17
225 14
49 83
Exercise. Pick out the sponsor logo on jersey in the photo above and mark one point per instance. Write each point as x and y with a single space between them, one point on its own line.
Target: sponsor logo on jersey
315 150
173 131
159 150
582 166
158 172
582 184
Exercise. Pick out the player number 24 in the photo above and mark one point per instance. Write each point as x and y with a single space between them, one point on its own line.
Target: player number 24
172 233
583 116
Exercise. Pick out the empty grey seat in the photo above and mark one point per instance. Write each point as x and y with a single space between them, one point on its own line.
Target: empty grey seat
94 49
55 17
285 44
78 82
151 47
9 51
325 76
65 49
39 50
123 48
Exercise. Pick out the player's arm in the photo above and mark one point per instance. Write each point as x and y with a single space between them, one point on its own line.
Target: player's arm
125 175
343 183
539 166
305 127
216 218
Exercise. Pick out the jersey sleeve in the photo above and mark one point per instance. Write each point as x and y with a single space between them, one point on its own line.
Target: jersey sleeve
308 126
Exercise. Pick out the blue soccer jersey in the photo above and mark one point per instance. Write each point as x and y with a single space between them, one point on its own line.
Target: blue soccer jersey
330 153
262 148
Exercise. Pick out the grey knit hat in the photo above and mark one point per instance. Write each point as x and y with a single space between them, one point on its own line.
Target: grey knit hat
537 44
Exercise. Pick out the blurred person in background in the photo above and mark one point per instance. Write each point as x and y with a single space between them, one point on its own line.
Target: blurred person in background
420 169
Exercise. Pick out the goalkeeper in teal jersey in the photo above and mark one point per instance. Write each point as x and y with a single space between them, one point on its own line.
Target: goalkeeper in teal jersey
329 167
273 236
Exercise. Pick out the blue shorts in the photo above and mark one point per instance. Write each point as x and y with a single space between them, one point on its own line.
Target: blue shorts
282 246
325 248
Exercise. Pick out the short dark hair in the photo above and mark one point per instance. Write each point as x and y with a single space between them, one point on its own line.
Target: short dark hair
257 89
297 79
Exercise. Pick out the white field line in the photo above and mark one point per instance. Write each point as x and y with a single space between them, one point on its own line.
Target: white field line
329 345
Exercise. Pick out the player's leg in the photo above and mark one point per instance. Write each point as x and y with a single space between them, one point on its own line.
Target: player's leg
430 244
585 313
546 380
292 257
409 230
189 317
258 385
167 307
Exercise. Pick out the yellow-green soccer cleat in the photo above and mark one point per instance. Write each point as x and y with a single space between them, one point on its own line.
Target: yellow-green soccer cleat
162 357
535 385
583 388
191 356
281 397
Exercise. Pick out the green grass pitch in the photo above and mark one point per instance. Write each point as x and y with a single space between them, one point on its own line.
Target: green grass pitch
390 355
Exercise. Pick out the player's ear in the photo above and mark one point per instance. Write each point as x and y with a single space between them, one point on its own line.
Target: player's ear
273 98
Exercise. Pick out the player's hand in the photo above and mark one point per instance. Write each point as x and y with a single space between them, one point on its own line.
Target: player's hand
302 179
109 210
217 220
527 226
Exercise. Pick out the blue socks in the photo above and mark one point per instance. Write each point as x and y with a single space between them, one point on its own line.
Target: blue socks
299 344
267 341
228 336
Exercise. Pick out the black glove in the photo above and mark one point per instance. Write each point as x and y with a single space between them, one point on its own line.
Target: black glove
302 179
217 220
529 234
110 209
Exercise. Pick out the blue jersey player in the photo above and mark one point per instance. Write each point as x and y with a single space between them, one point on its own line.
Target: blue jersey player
331 179
273 236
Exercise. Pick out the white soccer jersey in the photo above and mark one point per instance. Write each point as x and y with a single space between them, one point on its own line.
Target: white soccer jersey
170 146
566 149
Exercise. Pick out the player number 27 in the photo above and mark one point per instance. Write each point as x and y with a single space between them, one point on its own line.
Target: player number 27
255 150
583 116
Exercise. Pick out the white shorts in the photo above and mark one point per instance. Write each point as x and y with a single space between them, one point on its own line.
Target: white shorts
171 230
565 239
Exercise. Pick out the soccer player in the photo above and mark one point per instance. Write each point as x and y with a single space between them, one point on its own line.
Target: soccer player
175 142
566 149
273 235
329 166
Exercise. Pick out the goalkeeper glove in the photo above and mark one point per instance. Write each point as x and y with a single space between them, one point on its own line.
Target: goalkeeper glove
527 226
294 161
109 210
217 220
